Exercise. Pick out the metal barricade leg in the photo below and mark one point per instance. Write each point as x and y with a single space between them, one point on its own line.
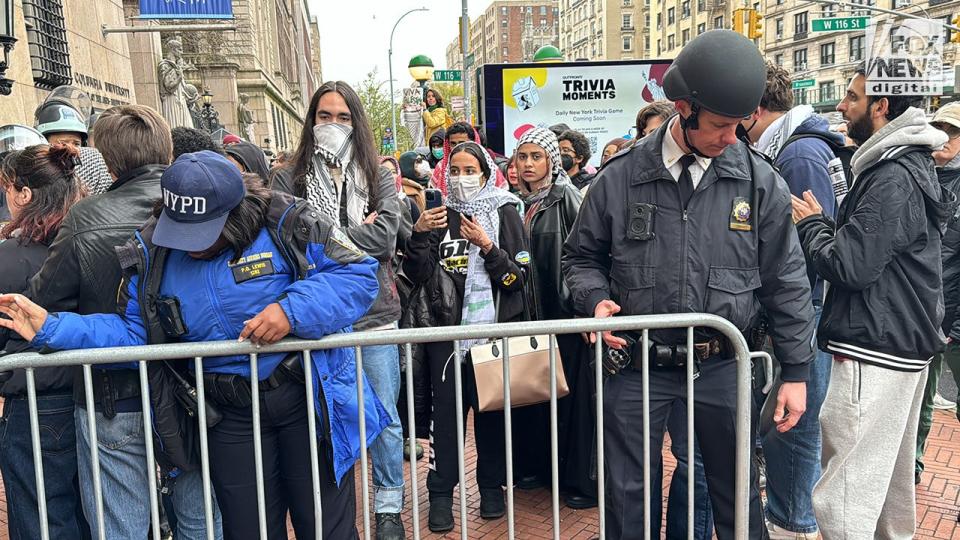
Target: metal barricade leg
364 473
412 423
258 444
691 435
94 452
314 451
554 444
204 447
601 485
508 436
458 390
741 527
645 371
148 446
37 454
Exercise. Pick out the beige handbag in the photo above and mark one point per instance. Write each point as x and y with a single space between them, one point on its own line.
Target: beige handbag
529 370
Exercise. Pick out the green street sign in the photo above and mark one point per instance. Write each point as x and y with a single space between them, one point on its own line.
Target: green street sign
803 83
447 75
847 24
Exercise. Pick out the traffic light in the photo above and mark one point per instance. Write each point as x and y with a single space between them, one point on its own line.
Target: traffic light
738 20
955 35
755 26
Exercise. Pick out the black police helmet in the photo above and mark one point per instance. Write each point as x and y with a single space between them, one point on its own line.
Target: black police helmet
720 71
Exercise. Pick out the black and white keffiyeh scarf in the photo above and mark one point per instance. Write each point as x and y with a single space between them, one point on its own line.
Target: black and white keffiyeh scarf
322 192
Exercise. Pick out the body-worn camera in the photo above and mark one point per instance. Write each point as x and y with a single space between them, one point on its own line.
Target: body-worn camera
171 317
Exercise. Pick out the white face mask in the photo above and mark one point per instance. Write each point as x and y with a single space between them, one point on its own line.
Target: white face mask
466 186
422 168
332 137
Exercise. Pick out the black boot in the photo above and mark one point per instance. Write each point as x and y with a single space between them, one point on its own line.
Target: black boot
491 503
441 514
390 527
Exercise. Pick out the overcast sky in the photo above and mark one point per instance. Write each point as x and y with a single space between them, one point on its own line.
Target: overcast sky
355 35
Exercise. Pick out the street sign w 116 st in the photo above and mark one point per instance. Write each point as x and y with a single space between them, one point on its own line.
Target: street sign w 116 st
834 24
447 75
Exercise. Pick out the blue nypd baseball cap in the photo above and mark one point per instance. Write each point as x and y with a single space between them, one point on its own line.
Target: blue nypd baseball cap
199 191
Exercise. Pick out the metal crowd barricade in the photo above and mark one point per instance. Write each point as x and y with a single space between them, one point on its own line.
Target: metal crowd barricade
199 351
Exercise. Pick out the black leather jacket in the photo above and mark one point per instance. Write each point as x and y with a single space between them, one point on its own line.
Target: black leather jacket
548 229
82 273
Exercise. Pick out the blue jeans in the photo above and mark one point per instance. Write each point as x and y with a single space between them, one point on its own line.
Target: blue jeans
381 365
793 458
124 483
188 519
59 450
677 501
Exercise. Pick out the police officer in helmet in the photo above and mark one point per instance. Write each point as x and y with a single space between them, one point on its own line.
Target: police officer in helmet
691 220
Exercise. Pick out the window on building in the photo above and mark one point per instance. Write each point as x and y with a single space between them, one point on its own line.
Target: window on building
503 10
627 43
779 26
659 47
671 15
505 52
701 28
800 96
829 10
543 22
627 21
646 20
503 23
47 38
659 21
718 22
685 9
503 36
646 43
827 91
856 48
671 42
685 37
543 11
800 60
778 59
827 56
800 24
701 5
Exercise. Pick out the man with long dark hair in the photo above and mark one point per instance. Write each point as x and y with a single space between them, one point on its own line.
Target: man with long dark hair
336 168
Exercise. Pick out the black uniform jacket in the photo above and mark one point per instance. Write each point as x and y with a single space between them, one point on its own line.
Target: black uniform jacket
733 250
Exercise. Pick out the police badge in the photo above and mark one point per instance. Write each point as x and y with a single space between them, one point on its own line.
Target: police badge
740 215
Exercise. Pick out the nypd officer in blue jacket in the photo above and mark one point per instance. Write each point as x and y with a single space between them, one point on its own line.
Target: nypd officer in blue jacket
226 259
691 220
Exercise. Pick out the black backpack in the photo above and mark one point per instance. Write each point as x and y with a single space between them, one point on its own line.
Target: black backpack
843 153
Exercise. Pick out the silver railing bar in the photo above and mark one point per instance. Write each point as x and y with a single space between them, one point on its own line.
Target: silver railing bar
691 435
744 446
364 473
508 437
94 448
174 351
767 368
37 454
258 443
601 495
314 451
645 385
554 444
204 447
412 430
461 466
148 446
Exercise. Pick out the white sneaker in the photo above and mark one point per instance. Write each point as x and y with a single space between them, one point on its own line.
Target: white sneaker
942 403
779 533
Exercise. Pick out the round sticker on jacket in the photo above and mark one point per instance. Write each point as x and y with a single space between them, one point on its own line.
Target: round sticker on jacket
522 258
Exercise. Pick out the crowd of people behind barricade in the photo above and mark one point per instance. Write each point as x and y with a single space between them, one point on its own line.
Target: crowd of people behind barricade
729 199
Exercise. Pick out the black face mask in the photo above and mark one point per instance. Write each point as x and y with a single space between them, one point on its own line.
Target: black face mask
566 162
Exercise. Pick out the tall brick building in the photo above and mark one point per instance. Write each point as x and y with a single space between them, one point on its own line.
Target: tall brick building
508 31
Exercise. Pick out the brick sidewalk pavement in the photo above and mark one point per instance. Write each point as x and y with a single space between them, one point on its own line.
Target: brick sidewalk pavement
938 498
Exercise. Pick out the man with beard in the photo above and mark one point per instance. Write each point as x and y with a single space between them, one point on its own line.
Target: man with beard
882 314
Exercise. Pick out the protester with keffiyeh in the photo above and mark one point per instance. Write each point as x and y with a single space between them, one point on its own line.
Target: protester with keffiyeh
467 257
336 169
